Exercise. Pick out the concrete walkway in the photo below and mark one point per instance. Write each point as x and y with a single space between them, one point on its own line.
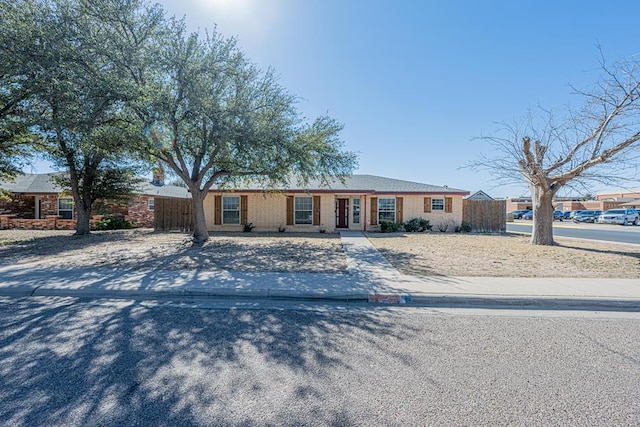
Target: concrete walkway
371 278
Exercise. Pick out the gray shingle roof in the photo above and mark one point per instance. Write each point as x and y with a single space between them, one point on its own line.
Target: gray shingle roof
149 189
42 184
31 183
363 183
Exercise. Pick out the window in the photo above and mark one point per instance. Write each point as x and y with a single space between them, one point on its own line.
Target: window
356 211
231 210
437 204
386 210
151 204
65 207
303 210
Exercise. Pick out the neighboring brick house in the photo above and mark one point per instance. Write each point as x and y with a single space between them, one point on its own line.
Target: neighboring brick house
360 203
35 201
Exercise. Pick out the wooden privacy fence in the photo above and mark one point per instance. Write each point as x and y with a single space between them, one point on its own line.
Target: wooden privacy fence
485 216
172 214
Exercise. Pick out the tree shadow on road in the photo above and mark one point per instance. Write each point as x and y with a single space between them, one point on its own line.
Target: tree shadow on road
69 362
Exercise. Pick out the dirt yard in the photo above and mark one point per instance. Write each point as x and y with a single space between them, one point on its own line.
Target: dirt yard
142 249
505 256
416 254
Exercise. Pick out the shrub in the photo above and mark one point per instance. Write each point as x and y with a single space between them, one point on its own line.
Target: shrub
465 227
248 227
443 227
390 227
113 223
417 225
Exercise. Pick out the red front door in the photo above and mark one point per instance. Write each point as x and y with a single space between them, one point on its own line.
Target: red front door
342 213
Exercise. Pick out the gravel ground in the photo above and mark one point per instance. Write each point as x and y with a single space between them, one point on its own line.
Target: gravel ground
437 254
143 248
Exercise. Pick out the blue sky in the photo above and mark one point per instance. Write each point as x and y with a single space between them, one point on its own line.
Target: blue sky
415 82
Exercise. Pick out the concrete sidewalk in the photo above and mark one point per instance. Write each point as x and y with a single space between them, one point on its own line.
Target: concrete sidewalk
371 278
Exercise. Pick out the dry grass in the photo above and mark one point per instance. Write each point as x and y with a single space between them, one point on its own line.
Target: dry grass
415 254
506 256
137 249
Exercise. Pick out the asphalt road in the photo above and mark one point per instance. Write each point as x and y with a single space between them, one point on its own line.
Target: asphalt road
68 362
606 232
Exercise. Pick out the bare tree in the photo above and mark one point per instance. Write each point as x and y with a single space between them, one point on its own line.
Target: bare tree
596 143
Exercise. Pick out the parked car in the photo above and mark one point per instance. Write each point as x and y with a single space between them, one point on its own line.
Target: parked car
566 214
558 216
518 214
574 213
527 215
620 216
587 216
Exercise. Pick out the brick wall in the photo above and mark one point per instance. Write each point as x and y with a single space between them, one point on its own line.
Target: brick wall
139 213
268 212
24 205
20 205
51 222
413 207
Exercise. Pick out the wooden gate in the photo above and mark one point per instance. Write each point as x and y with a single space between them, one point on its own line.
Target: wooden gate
173 214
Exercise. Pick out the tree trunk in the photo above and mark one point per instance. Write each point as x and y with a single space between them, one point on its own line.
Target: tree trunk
200 232
82 224
542 233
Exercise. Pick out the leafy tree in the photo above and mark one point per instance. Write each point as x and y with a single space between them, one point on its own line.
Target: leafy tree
597 143
78 66
112 181
15 136
215 118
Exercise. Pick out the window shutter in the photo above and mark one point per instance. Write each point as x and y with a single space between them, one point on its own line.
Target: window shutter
243 210
316 210
427 204
289 210
374 211
448 204
217 217
399 210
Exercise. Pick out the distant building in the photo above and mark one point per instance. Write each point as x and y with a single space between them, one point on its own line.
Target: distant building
603 201
627 199
479 195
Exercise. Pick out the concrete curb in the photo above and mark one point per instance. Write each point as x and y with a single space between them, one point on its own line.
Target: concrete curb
186 294
509 302
527 302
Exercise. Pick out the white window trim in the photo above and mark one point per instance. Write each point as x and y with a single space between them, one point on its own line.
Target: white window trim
380 210
151 204
239 210
353 210
65 210
433 206
295 217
